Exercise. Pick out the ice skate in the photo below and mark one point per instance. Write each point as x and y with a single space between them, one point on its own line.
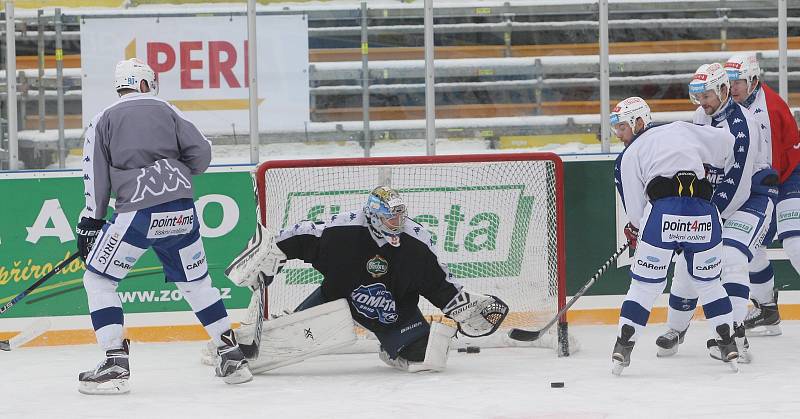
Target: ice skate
111 375
668 342
745 357
726 347
231 363
621 357
763 319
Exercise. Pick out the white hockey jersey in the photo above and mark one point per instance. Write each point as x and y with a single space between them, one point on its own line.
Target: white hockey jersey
751 152
665 150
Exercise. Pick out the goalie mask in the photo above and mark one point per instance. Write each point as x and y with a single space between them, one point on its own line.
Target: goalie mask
709 77
386 213
130 73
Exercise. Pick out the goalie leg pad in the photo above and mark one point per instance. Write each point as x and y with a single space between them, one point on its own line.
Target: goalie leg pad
298 336
436 351
438 348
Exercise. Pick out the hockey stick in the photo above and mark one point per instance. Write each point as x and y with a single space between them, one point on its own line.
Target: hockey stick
530 335
29 333
40 281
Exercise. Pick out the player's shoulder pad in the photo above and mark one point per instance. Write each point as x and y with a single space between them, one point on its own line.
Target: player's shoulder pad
416 231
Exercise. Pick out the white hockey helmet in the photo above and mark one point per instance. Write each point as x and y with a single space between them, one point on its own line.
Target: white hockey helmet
629 110
708 77
386 212
130 73
743 67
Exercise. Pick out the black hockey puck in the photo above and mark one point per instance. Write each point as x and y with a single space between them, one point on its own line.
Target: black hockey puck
557 384
470 349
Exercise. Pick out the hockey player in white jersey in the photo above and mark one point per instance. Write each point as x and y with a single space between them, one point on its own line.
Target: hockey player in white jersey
745 224
144 151
661 177
779 129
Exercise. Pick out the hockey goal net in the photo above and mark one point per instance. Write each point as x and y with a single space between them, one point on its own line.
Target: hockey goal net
497 221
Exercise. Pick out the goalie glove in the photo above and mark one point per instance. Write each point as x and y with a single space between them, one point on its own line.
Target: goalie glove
260 260
476 314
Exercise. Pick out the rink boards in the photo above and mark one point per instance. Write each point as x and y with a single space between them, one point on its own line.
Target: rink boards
37 231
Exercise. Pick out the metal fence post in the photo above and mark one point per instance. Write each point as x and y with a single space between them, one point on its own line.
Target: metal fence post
11 83
783 46
62 149
605 123
40 78
365 78
253 68
430 92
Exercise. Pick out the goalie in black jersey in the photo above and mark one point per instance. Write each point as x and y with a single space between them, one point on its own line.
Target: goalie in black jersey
376 263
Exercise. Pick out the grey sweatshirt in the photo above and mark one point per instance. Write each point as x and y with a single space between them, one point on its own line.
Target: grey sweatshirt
142 150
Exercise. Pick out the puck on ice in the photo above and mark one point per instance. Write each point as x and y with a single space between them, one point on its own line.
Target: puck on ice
557 384
470 349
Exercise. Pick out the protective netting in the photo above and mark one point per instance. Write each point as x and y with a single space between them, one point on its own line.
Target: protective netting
494 224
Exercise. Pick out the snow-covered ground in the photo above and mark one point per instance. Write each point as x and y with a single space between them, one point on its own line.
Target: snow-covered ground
168 381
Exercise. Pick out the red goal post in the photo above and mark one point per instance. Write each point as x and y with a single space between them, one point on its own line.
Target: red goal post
498 220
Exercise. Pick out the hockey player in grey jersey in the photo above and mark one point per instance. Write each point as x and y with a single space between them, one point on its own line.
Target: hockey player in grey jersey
145 152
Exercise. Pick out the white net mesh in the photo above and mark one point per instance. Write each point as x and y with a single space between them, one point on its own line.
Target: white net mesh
494 223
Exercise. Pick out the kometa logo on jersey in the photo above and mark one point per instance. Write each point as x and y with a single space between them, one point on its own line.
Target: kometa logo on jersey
374 301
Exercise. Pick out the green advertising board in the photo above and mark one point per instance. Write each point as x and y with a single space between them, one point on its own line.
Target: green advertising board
40 211
37 231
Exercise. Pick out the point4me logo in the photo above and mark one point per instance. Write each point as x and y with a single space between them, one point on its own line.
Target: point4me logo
375 302
679 228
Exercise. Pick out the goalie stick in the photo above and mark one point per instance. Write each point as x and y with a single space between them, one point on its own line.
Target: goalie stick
29 333
530 335
56 269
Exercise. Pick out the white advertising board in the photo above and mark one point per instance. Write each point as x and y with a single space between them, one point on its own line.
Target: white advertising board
201 63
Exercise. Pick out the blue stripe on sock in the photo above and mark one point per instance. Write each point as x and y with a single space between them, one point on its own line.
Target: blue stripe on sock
737 290
682 304
212 313
106 316
717 308
634 312
762 277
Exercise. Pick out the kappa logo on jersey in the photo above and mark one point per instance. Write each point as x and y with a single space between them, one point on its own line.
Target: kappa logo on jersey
374 301
157 179
377 266
163 224
690 229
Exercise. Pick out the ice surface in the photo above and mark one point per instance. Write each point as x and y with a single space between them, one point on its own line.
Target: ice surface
168 381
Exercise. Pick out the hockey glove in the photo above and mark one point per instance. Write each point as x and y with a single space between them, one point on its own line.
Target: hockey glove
632 234
261 260
88 229
476 314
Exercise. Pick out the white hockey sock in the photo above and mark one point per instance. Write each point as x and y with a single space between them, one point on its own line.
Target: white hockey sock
682 297
736 281
207 305
638 303
762 277
791 246
716 304
105 309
